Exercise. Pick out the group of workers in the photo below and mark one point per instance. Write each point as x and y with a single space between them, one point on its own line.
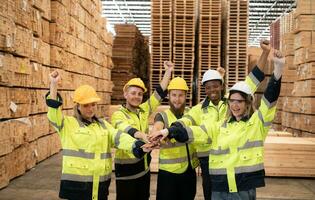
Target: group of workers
224 135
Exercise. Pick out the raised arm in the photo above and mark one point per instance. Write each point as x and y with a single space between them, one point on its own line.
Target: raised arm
54 78
262 61
169 67
267 109
54 101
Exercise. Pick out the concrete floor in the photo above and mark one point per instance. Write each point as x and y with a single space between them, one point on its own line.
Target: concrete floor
42 183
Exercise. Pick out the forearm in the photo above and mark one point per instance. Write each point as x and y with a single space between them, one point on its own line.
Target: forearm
166 79
262 61
53 91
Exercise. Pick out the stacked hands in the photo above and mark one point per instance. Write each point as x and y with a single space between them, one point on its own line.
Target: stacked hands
154 140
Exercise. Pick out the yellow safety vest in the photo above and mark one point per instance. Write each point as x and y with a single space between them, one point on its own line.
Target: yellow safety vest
124 120
207 112
173 155
86 150
237 146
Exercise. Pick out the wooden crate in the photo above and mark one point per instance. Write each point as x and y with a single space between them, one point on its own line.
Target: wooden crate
23 14
306 71
289 156
7 34
304 88
304 39
304 23
304 7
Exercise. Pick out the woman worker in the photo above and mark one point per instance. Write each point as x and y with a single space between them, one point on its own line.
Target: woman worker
236 156
86 144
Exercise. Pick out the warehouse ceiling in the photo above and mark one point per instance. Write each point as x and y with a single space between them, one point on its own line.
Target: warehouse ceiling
261 14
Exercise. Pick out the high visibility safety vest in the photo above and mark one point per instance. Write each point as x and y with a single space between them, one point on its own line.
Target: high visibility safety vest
86 149
207 112
127 166
236 154
174 155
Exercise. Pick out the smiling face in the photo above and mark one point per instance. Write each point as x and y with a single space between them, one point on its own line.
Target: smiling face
133 96
213 90
177 99
237 105
88 110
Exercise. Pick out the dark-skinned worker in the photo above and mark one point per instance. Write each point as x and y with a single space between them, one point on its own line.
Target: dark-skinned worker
214 108
86 144
236 159
177 161
133 174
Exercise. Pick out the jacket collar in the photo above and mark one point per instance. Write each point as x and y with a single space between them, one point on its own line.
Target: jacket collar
139 109
206 102
244 119
85 122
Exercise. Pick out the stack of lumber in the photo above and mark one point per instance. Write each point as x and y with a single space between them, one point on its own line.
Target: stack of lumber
289 156
184 30
275 34
131 59
36 38
209 47
173 38
297 95
161 38
235 33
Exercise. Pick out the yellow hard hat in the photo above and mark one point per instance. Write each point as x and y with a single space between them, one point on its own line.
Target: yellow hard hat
85 94
135 82
178 83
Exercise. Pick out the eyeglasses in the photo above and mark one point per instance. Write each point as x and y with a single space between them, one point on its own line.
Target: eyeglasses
237 101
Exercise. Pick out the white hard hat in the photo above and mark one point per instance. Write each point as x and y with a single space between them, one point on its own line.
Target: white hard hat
241 87
211 75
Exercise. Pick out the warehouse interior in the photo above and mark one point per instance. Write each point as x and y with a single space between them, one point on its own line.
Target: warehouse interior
105 43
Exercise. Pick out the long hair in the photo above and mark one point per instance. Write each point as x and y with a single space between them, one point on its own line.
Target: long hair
249 101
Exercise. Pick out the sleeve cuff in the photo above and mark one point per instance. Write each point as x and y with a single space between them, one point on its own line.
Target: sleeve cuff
160 92
272 91
132 131
136 149
259 75
52 102
158 118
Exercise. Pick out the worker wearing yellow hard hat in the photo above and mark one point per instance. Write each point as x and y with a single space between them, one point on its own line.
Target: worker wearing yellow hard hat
133 174
86 143
177 161
236 158
214 108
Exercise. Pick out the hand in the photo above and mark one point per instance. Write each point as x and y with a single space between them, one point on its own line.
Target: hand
265 45
158 136
279 63
54 77
168 65
221 70
142 136
150 146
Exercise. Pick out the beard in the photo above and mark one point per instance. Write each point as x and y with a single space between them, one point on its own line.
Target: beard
178 111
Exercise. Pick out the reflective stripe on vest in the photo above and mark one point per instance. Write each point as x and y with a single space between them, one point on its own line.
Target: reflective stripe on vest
127 160
83 178
117 137
203 153
252 144
133 176
238 170
219 151
173 160
56 126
